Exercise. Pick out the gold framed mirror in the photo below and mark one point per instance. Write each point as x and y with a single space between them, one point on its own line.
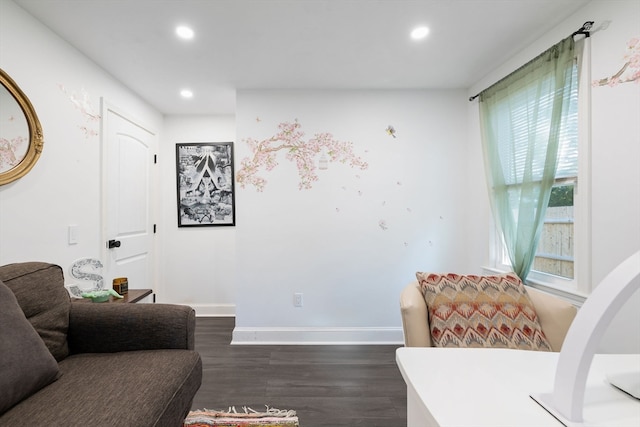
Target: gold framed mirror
21 139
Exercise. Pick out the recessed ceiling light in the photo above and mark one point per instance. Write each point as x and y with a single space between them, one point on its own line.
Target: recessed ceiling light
184 32
419 33
186 93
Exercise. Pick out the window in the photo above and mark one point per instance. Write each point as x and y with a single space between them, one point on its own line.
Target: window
561 258
554 254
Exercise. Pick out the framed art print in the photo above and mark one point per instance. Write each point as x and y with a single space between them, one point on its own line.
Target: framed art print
205 184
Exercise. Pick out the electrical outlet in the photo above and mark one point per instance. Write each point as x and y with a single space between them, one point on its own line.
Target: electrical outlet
297 299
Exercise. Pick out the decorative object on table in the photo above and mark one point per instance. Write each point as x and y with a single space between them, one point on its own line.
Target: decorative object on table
271 417
79 271
206 194
121 285
567 401
74 291
21 140
101 296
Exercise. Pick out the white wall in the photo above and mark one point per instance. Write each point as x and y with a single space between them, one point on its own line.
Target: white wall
616 162
64 186
327 242
615 157
288 240
199 263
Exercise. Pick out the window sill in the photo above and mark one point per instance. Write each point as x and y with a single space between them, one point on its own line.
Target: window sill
571 295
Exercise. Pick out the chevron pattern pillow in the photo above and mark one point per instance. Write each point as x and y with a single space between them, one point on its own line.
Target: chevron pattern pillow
481 311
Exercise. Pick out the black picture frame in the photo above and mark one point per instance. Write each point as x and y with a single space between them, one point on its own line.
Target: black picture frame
205 184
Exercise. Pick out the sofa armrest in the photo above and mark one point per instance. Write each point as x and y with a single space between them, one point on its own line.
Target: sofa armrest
415 318
108 328
554 314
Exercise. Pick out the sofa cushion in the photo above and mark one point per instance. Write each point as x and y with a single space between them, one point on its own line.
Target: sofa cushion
26 365
131 388
481 311
39 289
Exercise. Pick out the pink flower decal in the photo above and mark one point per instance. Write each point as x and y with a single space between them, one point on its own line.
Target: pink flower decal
630 70
8 150
289 139
82 103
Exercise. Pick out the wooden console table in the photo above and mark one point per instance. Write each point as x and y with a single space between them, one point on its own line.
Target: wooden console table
132 296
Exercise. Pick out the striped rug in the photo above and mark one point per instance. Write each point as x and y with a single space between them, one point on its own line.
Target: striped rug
246 417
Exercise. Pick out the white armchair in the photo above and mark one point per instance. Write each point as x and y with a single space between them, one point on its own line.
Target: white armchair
554 314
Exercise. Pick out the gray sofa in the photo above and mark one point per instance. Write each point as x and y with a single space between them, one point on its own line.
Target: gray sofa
68 364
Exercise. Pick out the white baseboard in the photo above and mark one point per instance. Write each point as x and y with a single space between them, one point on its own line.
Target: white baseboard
317 336
302 335
214 310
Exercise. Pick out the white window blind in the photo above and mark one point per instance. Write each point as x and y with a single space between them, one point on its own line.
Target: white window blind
520 106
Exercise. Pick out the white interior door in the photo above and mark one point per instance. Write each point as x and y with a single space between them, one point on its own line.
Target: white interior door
128 153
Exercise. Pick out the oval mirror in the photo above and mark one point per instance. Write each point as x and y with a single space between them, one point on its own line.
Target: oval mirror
20 132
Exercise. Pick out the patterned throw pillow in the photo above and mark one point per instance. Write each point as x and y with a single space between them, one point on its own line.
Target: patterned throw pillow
481 311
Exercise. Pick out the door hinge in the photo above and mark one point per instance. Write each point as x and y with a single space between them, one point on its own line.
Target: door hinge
155 158
154 229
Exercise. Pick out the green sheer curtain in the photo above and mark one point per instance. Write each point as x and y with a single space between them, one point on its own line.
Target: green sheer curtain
521 120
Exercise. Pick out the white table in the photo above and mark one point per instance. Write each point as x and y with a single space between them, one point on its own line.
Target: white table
449 387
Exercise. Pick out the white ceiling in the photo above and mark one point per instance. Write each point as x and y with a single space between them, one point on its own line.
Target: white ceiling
280 44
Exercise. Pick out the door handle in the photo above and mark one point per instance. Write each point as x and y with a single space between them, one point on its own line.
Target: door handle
113 244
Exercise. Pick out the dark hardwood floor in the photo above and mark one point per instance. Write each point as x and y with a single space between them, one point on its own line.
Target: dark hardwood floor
328 385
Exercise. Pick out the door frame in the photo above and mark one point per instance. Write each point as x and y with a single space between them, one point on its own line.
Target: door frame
154 201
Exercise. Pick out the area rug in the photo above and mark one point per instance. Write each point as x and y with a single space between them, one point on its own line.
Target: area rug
246 417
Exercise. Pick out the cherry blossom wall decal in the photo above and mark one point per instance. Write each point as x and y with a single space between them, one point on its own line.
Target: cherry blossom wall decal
630 70
82 103
8 150
303 153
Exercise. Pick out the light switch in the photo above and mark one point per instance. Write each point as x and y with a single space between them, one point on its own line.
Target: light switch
73 234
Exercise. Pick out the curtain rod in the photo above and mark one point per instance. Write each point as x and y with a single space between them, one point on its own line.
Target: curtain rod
584 30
